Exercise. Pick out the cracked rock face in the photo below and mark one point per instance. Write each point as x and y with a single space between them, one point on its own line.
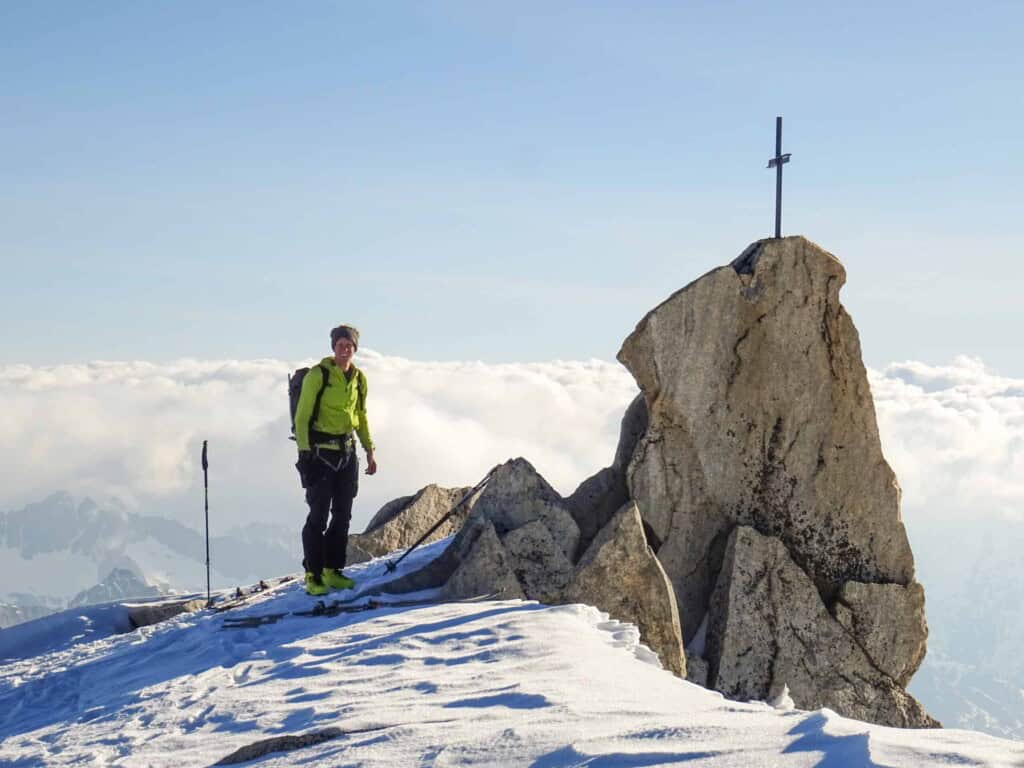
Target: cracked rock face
768 628
401 522
620 575
520 542
885 620
760 415
539 563
517 495
484 568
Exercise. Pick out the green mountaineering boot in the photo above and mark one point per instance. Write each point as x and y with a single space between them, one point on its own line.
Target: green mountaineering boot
315 586
335 579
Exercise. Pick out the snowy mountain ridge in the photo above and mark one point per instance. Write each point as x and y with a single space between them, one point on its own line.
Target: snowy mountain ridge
55 550
495 683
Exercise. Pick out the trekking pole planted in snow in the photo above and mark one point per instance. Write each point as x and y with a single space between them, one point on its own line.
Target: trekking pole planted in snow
206 509
391 566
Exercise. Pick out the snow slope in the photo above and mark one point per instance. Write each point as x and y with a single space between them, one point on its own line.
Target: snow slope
499 683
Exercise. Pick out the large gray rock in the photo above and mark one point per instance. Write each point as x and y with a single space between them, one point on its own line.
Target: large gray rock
354 554
538 562
401 522
885 620
620 575
632 427
761 415
144 614
768 628
519 533
601 495
519 541
485 567
516 495
595 501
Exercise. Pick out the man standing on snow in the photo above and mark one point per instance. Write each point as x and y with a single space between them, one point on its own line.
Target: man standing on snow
327 462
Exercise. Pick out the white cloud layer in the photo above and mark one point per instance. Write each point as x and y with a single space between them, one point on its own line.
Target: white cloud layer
954 434
134 430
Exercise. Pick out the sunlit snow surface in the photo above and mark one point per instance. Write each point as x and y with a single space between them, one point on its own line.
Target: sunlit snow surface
504 683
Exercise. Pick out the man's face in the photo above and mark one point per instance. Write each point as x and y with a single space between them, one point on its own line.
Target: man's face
343 351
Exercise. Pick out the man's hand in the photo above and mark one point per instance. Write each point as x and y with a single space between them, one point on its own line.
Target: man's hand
304 465
371 463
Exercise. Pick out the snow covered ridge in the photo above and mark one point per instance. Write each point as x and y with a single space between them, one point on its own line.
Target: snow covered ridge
496 683
62 552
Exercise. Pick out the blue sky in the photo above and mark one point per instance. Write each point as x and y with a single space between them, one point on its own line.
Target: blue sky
504 183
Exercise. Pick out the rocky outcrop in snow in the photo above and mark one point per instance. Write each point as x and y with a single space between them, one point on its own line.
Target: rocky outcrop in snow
761 420
521 540
769 628
620 575
748 493
399 523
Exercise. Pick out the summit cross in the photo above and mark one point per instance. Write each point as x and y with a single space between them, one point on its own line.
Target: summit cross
777 162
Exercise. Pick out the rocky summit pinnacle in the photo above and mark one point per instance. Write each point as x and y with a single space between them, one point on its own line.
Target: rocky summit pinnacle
748 509
761 417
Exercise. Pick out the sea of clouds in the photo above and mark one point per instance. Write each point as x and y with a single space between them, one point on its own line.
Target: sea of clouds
134 430
954 434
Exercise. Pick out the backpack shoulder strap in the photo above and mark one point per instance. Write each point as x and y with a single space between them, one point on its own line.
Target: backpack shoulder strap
319 395
360 389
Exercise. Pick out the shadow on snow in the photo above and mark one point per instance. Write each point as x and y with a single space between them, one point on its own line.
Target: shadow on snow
104 688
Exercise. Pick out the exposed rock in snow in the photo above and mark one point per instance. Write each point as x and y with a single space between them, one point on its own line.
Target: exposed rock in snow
516 495
768 627
754 460
620 575
399 523
265 747
885 620
761 416
484 566
146 614
539 563
519 528
519 541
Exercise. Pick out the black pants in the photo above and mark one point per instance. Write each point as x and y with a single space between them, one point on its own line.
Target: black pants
331 492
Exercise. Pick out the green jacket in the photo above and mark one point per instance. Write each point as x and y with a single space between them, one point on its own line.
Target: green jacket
342 410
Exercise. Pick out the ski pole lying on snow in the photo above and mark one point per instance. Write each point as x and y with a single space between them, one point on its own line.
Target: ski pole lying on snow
391 566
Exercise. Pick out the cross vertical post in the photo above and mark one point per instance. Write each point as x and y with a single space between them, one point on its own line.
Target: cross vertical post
777 162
